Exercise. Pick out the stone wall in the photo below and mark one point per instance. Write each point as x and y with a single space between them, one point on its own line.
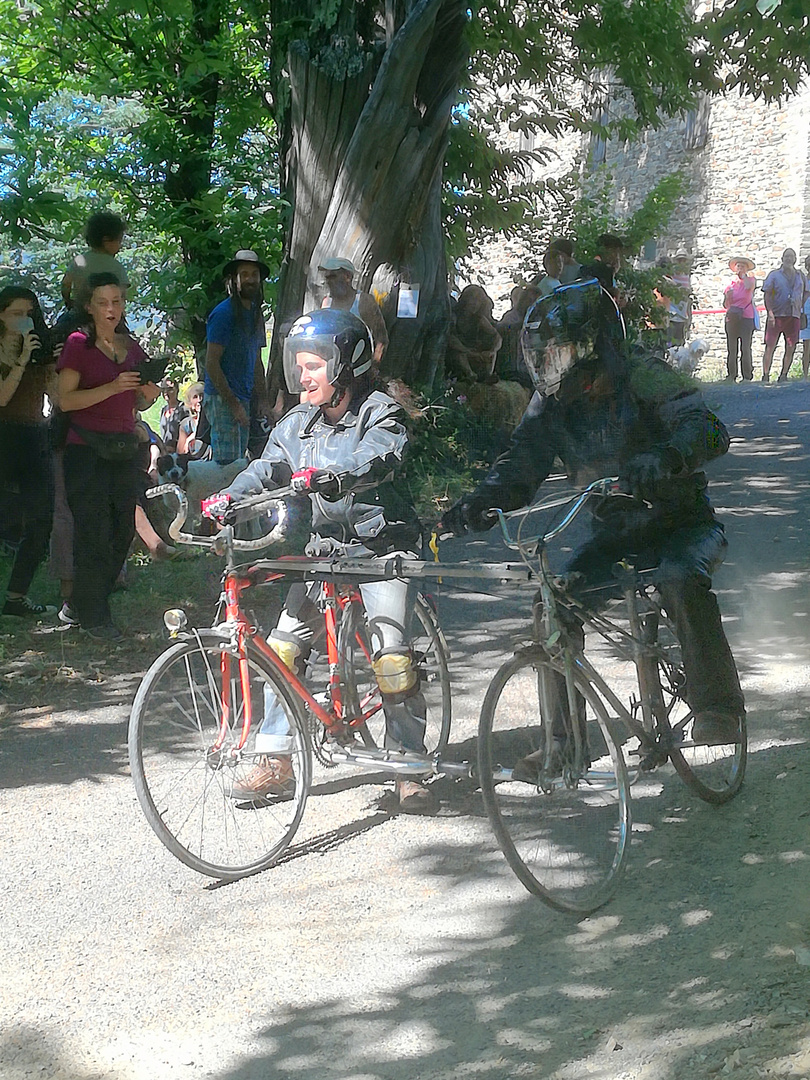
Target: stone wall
748 193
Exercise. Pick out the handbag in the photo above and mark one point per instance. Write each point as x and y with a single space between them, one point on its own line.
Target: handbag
757 323
110 445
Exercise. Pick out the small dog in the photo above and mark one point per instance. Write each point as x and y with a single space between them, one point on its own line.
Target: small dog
173 468
199 479
686 358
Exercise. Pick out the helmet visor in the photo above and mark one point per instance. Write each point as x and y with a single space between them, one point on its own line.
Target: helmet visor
560 332
320 345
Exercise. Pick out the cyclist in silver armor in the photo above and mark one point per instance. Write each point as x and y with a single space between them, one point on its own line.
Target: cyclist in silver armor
341 445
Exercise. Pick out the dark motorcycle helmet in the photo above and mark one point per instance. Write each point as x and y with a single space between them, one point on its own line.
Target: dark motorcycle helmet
338 337
574 326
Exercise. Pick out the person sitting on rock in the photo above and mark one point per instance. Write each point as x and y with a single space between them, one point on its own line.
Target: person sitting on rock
473 342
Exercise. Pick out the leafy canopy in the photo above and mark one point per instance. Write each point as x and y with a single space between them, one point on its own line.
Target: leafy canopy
177 113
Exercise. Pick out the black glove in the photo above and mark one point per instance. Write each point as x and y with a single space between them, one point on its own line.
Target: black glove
644 473
468 515
327 483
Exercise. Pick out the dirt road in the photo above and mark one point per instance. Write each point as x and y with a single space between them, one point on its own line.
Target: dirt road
404 949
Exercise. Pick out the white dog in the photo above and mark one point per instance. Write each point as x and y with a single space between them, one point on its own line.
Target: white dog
687 357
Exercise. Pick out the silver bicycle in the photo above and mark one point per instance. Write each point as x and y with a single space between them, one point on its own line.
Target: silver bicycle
551 760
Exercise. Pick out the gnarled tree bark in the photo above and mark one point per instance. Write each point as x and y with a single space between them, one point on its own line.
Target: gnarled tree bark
363 170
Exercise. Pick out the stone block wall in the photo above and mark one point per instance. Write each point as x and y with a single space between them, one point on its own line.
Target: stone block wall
748 193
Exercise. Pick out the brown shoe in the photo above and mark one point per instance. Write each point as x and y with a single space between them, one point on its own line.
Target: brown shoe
415 798
272 776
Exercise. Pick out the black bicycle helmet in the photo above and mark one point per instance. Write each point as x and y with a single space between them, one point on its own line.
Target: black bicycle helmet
337 336
575 324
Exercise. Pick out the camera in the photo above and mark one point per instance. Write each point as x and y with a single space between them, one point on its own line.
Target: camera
42 353
153 370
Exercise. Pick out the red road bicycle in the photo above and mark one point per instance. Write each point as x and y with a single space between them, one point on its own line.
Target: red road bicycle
194 720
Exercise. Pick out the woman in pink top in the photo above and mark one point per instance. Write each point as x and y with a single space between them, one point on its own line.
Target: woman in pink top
738 300
100 387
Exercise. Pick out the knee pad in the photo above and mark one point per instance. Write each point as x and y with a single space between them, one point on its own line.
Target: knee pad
396 676
289 652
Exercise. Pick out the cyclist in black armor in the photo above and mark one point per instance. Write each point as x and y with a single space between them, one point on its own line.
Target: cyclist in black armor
604 412
342 445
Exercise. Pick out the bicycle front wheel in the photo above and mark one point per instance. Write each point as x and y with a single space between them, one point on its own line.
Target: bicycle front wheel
363 697
184 731
565 832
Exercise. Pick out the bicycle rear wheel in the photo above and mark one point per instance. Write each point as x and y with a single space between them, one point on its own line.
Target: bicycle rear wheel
566 836
430 658
184 784
715 773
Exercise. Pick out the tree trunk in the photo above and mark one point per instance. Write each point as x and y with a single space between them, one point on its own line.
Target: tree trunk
188 177
364 173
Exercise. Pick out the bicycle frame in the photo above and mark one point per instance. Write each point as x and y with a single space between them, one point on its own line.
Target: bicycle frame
550 633
334 721
328 571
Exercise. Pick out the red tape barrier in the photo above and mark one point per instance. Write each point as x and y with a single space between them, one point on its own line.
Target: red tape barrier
719 311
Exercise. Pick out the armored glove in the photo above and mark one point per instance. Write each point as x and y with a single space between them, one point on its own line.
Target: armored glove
468 515
318 481
216 506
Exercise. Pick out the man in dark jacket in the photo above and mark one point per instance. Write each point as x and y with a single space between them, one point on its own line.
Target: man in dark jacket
603 413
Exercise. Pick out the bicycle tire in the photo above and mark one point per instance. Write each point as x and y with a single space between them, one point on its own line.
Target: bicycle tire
714 773
184 790
430 657
566 840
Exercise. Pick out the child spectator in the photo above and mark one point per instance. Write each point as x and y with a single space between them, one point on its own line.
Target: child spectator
104 234
172 415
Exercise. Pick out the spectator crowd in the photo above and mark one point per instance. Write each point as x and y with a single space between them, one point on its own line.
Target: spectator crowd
76 457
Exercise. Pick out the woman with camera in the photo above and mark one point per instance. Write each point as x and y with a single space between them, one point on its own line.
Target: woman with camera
26 376
100 386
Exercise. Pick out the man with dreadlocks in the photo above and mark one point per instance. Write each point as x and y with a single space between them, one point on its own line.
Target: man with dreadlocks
604 412
233 365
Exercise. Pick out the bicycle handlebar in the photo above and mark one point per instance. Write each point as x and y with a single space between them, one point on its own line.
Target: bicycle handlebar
225 537
606 485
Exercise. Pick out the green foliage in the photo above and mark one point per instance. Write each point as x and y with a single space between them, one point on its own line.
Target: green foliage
178 115
449 450
659 382
611 67
153 113
592 215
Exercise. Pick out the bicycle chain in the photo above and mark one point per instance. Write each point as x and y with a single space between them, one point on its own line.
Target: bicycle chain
317 740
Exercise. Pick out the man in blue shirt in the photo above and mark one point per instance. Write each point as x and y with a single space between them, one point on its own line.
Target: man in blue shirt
233 366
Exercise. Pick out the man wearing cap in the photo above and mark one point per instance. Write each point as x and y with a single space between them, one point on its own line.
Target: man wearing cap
233 364
338 275
784 295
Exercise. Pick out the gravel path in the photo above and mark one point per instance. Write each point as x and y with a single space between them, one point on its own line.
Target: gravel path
404 949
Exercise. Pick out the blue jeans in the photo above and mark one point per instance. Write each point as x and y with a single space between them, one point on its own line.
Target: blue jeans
229 440
388 606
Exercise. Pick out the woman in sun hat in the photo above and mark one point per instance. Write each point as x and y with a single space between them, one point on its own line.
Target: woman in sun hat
738 300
